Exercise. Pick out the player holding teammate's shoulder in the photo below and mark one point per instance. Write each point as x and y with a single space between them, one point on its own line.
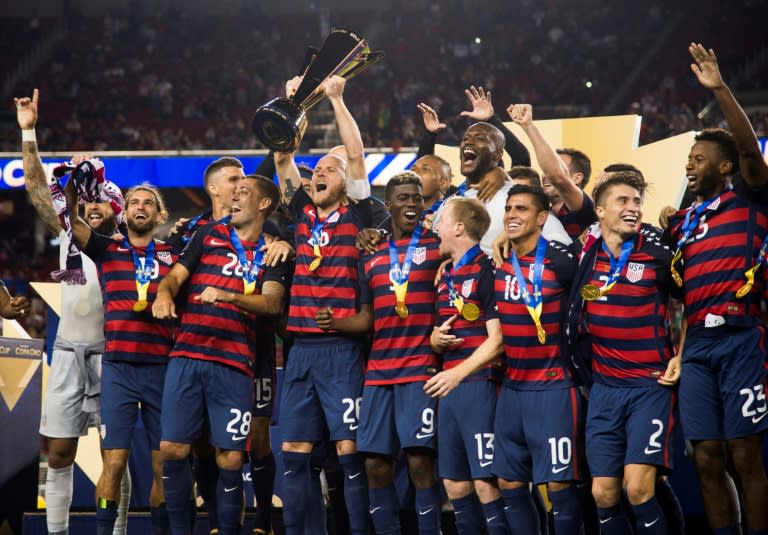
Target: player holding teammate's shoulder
395 412
137 345
211 369
538 424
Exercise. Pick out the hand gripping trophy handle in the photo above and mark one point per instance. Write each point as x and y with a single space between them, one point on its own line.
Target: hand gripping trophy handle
281 123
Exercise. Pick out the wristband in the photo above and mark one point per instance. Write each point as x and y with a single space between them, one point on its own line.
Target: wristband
28 135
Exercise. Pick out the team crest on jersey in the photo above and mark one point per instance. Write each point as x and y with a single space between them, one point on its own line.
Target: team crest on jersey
635 271
419 255
466 288
165 257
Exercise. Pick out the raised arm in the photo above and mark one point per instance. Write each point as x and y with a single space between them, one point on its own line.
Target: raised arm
348 130
34 172
753 167
81 232
551 164
482 110
287 174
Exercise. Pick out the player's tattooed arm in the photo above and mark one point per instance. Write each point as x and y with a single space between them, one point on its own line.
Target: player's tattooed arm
287 174
34 172
81 232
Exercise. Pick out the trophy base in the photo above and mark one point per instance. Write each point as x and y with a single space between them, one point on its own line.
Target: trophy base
280 124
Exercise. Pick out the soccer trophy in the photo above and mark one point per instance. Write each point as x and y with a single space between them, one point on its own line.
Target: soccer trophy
281 122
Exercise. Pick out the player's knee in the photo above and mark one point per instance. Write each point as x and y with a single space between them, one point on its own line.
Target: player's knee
605 494
229 459
260 445
709 457
421 469
346 447
555 486
61 452
297 447
487 490
114 467
173 451
639 491
746 456
458 489
379 471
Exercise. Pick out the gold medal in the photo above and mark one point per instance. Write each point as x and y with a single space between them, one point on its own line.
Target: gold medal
590 292
470 312
744 290
676 277
402 310
139 306
315 263
541 334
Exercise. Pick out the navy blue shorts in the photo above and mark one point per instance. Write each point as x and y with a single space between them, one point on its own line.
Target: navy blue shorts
194 388
125 385
322 384
264 381
396 416
538 435
465 431
723 383
632 425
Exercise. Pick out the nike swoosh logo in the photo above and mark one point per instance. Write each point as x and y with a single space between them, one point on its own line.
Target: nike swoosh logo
122 250
484 464
353 476
427 435
353 427
558 470
491 519
218 243
229 490
422 513
649 524
288 472
237 439
371 511
651 452
257 468
756 419
606 520
262 405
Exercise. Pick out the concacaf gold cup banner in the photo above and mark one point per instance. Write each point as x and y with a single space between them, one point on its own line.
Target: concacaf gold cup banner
20 389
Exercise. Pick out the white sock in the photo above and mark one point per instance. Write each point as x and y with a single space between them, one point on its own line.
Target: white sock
58 498
121 524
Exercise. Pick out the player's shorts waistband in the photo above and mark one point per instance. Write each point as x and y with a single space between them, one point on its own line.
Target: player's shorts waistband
324 340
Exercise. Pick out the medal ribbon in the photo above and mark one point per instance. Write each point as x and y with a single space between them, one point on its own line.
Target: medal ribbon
317 232
617 264
143 274
461 190
533 301
399 274
252 268
690 224
453 294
